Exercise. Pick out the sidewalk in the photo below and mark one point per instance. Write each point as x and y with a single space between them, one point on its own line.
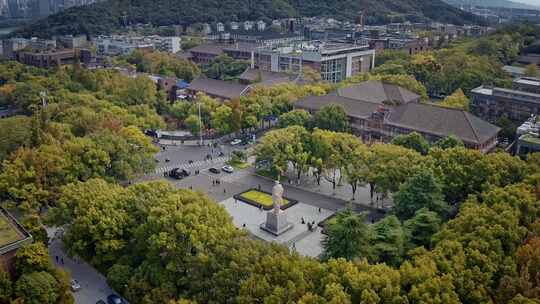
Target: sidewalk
342 192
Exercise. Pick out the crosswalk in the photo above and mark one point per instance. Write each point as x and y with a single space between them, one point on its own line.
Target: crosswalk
195 164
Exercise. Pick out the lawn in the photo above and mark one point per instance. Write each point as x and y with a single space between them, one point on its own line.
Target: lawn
7 233
262 198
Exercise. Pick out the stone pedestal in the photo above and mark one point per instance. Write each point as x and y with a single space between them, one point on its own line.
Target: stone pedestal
276 223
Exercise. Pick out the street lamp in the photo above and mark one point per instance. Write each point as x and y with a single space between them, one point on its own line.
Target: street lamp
200 125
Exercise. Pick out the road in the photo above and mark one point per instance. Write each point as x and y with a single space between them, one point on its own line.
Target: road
94 285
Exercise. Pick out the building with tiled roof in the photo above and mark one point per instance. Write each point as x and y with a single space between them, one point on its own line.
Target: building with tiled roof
224 90
379 111
12 237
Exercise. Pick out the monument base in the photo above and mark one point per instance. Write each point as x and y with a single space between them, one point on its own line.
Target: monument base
276 224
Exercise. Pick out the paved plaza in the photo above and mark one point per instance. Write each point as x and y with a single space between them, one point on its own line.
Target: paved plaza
299 238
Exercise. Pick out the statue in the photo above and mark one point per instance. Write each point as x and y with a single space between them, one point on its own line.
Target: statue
276 220
277 196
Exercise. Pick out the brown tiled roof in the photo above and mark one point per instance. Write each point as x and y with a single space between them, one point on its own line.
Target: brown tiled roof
208 48
352 107
218 88
378 92
442 122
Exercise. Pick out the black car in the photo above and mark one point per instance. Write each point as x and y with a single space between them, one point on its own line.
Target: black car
214 170
114 299
178 173
101 302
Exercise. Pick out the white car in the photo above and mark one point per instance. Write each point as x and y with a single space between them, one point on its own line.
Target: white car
75 286
236 142
227 169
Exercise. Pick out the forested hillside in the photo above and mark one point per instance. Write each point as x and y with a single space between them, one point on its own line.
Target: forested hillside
107 16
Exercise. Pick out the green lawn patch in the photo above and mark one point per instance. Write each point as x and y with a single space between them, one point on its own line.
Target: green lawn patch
8 234
262 199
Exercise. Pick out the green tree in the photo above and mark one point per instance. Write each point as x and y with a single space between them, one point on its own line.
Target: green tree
32 258
388 241
457 100
422 226
413 141
118 276
221 119
347 236
6 287
332 118
193 124
296 117
421 191
224 67
448 142
38 287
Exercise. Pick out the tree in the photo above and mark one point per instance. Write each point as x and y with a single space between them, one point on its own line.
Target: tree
457 100
221 119
118 276
193 124
531 70
32 258
421 191
388 241
422 226
356 168
18 135
6 286
413 141
333 118
38 287
448 142
347 236
297 117
224 67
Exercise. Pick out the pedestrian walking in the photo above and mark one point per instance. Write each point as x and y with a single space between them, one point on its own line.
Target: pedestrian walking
320 210
224 191
190 187
56 259
259 187
62 261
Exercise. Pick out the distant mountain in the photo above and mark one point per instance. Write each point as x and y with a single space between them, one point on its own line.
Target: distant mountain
104 17
491 3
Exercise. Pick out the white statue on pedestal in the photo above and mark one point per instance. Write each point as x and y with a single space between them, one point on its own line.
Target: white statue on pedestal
277 197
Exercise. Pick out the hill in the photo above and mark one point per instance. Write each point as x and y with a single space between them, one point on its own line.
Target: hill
104 17
492 3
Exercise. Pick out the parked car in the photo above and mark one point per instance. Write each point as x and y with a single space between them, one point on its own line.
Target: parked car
114 299
75 286
236 142
227 169
101 302
214 170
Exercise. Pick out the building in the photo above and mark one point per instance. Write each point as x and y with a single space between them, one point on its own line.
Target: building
12 237
379 112
73 42
47 59
528 135
204 53
518 103
125 45
334 61
223 90
11 46
515 71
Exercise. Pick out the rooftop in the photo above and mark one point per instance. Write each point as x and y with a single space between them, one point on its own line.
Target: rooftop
218 88
378 92
12 234
528 81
